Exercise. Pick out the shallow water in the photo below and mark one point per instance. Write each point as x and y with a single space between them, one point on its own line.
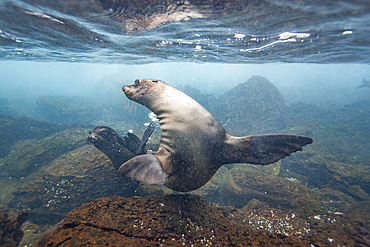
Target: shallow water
63 64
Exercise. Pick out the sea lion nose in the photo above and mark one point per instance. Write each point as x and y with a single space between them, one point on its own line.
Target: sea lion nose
91 138
126 90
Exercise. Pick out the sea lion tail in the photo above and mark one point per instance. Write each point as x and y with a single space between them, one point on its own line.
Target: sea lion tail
144 168
263 149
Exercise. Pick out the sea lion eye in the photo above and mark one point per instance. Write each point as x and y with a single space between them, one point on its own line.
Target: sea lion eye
155 81
136 83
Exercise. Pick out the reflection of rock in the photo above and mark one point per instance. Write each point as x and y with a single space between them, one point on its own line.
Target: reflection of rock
245 183
68 109
179 220
29 156
69 181
10 228
254 106
143 16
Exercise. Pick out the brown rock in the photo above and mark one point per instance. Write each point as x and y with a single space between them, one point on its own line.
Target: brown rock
10 228
247 182
174 220
30 156
189 220
69 181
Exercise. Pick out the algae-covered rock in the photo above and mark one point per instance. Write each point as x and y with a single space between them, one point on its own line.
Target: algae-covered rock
31 155
72 179
10 228
155 221
211 190
245 183
68 109
188 220
326 171
338 158
14 129
255 106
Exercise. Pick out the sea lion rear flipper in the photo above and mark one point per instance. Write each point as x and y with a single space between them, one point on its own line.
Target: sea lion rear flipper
144 168
264 149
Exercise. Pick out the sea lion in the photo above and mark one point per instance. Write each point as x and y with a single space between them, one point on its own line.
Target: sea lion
119 149
193 143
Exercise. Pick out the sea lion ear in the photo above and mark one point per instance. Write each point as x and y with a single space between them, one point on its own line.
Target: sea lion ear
144 168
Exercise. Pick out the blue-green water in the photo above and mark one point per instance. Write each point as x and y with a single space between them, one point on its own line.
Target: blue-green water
63 63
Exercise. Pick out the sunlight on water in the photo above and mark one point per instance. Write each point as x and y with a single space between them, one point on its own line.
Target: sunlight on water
120 32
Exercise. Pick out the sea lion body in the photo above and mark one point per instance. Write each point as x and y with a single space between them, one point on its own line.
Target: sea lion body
193 144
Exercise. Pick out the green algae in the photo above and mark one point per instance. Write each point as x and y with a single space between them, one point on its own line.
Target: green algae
70 180
31 155
14 129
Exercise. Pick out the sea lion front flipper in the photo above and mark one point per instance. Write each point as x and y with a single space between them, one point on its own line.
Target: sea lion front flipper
132 142
264 149
144 168
147 133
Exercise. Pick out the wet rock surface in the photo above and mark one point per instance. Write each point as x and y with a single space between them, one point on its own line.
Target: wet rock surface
336 165
14 129
245 183
29 156
70 180
10 228
179 220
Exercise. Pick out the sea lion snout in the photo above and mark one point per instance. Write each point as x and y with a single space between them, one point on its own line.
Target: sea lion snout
127 90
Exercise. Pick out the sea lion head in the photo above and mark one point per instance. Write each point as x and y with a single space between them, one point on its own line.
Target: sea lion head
103 136
143 91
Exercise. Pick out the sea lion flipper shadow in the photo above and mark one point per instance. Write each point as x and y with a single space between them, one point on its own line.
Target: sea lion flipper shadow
264 149
144 168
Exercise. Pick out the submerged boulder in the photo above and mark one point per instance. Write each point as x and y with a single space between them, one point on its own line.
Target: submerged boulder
188 220
338 158
255 106
10 228
69 181
168 221
31 155
245 183
14 129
